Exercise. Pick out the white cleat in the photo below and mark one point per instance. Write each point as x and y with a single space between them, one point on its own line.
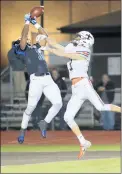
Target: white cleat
83 148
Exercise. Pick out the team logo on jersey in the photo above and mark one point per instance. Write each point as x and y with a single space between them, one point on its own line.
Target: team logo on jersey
85 53
40 54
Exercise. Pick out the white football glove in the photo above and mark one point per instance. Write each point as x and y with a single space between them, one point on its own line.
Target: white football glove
27 17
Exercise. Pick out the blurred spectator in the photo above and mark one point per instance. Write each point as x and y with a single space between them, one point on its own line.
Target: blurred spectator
59 81
105 89
63 87
37 114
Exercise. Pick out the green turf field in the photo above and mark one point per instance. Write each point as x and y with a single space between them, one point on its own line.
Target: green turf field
56 148
91 166
110 165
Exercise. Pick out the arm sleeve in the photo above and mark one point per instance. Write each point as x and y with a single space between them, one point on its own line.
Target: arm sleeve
15 62
19 51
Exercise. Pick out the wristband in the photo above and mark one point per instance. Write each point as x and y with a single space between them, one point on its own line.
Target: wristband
37 26
27 22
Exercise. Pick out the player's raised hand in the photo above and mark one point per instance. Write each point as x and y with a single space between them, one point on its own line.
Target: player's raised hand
33 21
27 17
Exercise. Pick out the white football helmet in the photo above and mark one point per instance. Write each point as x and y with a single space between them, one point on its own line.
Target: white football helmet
84 38
40 37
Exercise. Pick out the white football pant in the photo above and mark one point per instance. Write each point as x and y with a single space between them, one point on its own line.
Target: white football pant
39 84
81 91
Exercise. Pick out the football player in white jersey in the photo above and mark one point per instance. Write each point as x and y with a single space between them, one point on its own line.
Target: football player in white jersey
79 52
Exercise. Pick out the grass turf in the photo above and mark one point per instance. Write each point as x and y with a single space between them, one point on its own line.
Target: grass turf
56 148
111 165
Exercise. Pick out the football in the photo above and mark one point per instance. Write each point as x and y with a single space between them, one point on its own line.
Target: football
37 11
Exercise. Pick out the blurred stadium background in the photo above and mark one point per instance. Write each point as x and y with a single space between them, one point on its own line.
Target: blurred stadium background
62 19
101 18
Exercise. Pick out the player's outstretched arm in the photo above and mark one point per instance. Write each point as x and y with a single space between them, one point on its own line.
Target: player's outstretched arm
24 35
57 52
60 50
61 53
38 27
42 31
74 56
53 43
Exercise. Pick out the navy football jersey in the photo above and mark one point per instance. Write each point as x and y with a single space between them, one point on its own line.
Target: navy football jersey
32 57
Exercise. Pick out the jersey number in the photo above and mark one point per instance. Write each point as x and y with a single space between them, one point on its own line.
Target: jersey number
70 64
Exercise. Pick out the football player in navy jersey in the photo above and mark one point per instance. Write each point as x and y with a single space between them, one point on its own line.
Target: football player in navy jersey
32 56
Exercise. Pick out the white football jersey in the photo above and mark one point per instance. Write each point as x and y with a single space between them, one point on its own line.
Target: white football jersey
78 68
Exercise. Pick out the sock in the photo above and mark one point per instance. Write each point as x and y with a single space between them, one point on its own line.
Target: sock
22 132
81 139
74 127
43 125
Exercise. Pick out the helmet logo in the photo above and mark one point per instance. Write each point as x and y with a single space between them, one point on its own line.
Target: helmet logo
88 36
